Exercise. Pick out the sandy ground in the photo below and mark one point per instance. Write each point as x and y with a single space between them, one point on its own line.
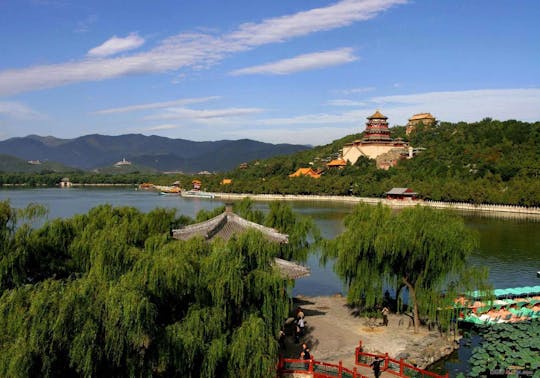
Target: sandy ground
333 332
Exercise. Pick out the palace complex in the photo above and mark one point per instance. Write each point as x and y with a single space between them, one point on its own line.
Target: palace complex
421 118
377 144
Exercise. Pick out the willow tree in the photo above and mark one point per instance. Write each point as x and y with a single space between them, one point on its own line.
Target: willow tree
124 299
424 250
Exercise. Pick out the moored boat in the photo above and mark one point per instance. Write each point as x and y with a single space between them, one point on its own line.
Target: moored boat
197 193
501 306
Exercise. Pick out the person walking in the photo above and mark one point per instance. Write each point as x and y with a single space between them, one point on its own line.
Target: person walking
305 355
376 365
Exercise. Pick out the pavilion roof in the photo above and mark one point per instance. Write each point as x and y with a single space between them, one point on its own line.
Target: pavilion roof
224 226
400 191
305 172
337 163
227 224
377 115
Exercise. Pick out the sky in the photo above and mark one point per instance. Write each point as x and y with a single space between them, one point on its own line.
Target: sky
285 71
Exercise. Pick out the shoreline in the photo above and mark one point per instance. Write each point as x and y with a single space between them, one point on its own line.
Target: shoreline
333 331
501 210
476 209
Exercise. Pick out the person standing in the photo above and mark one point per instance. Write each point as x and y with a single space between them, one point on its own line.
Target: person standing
301 325
376 365
385 311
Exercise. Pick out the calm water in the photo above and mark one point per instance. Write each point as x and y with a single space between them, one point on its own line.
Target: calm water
509 248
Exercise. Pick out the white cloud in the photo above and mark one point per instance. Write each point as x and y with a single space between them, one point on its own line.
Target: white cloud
157 105
468 105
167 126
198 115
356 90
18 111
314 135
303 62
195 50
338 15
345 102
452 106
115 45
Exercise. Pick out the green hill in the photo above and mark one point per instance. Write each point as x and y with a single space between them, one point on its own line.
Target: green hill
483 162
11 164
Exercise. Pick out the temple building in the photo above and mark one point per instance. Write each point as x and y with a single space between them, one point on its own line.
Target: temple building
425 118
228 224
376 141
310 172
337 163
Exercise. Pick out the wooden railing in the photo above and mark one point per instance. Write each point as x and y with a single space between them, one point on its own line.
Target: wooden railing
396 367
316 369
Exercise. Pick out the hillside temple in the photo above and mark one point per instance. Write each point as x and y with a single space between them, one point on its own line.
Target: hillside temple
377 144
421 118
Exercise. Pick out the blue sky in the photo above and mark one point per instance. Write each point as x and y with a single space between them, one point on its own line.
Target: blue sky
291 71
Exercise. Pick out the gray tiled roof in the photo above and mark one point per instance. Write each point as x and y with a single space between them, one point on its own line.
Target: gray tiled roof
228 224
225 226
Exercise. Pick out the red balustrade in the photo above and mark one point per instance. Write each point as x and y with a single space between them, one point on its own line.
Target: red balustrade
396 367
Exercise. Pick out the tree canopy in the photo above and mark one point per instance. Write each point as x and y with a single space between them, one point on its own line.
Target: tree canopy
110 293
421 249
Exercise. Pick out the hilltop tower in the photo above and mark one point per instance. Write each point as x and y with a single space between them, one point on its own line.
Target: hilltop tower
377 129
376 143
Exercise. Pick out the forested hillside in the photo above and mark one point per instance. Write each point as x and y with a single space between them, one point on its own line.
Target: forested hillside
484 162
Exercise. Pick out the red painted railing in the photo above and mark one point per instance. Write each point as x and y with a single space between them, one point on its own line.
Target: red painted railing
396 367
316 369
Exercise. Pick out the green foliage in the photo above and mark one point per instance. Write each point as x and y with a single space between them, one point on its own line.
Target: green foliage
483 162
109 293
423 249
505 345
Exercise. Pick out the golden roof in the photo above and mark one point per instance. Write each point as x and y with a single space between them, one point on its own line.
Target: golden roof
421 116
305 172
377 115
337 163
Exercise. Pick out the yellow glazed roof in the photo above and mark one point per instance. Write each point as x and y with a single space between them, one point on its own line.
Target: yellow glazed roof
377 115
421 116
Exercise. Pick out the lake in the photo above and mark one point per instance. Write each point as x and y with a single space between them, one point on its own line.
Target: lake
510 248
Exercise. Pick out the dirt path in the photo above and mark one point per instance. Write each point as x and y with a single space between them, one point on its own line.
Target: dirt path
333 332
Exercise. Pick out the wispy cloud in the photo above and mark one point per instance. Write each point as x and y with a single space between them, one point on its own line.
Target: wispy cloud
356 90
115 45
83 26
205 114
303 62
157 105
196 50
468 105
161 127
18 111
345 102
453 106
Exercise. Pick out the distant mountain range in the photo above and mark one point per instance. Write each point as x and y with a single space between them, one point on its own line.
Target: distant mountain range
164 154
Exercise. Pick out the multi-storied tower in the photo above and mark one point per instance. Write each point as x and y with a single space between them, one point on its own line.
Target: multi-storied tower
376 144
377 129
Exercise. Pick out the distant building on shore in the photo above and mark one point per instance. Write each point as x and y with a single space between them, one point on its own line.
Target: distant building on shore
65 183
376 142
421 118
122 163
